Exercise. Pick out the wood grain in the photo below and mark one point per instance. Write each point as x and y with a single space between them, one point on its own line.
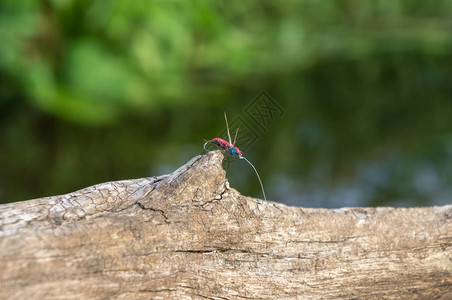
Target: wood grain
188 235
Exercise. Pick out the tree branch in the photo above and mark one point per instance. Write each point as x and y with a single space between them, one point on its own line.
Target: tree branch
189 235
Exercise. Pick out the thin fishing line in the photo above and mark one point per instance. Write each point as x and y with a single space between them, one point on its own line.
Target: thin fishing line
258 177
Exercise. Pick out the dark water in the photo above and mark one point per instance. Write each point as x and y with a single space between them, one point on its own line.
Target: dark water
338 104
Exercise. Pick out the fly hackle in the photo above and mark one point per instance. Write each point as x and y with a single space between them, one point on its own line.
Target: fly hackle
235 138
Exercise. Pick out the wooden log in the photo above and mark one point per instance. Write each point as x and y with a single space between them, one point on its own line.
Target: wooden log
188 235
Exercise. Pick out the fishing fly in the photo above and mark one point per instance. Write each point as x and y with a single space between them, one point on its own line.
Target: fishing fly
230 148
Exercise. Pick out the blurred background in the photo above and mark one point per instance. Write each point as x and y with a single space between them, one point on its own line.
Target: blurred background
340 103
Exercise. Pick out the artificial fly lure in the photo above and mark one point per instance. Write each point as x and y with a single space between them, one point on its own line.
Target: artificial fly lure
232 149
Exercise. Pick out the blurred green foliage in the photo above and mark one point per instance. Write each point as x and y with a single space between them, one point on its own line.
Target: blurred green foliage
104 90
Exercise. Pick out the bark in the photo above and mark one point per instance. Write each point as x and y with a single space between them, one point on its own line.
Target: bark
188 235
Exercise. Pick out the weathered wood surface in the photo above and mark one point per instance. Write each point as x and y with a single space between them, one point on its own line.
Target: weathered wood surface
188 235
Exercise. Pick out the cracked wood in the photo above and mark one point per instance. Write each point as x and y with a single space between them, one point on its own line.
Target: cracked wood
188 235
